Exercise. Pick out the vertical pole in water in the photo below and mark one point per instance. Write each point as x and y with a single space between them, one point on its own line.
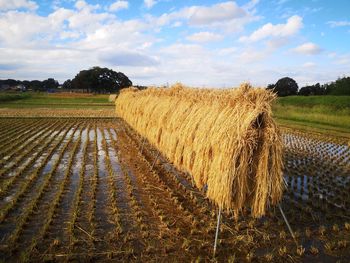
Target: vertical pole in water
217 231
286 221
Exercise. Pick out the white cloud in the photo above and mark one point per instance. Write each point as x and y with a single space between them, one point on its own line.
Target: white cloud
250 56
128 58
69 34
226 16
16 4
338 23
343 59
309 65
62 38
118 5
276 43
291 27
149 3
251 4
68 40
81 4
339 59
86 20
227 51
177 24
204 37
201 15
19 28
308 48
205 15
332 54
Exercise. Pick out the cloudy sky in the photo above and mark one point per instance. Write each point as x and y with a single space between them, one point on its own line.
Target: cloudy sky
199 43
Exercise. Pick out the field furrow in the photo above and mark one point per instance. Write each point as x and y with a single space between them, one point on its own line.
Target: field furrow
93 190
16 136
47 199
26 203
83 228
58 237
13 186
19 155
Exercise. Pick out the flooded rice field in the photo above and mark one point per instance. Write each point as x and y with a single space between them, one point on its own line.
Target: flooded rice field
93 190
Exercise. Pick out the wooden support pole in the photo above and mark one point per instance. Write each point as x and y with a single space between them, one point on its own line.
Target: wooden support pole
217 232
288 226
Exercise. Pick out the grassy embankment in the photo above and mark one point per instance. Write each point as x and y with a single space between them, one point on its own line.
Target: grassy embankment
325 114
54 100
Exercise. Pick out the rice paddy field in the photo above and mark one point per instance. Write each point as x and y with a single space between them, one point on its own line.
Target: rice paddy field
90 189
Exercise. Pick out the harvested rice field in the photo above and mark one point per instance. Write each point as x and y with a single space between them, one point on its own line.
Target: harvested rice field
90 189
41 112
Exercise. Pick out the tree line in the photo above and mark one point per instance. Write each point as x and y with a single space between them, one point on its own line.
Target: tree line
288 87
36 85
104 80
94 80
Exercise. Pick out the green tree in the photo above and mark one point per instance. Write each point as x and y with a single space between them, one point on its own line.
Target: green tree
100 80
340 87
50 83
67 84
316 89
36 85
284 87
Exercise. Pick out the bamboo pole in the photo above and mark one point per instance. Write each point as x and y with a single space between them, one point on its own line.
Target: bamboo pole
217 232
288 226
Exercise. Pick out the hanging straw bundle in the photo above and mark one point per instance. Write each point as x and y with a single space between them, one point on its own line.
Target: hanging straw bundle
226 139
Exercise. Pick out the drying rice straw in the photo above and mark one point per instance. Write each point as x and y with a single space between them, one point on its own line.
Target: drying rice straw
226 139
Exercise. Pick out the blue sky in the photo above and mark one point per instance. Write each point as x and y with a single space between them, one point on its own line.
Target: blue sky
199 43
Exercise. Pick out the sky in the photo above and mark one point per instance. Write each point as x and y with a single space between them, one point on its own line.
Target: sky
158 42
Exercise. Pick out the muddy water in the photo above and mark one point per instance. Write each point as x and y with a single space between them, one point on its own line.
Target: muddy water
40 145
18 134
119 181
16 161
65 211
83 230
15 188
104 225
55 156
38 220
10 224
318 180
27 174
324 150
114 134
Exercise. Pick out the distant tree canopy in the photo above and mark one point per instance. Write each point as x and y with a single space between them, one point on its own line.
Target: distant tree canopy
287 86
99 80
37 85
316 89
284 87
67 84
96 79
339 87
